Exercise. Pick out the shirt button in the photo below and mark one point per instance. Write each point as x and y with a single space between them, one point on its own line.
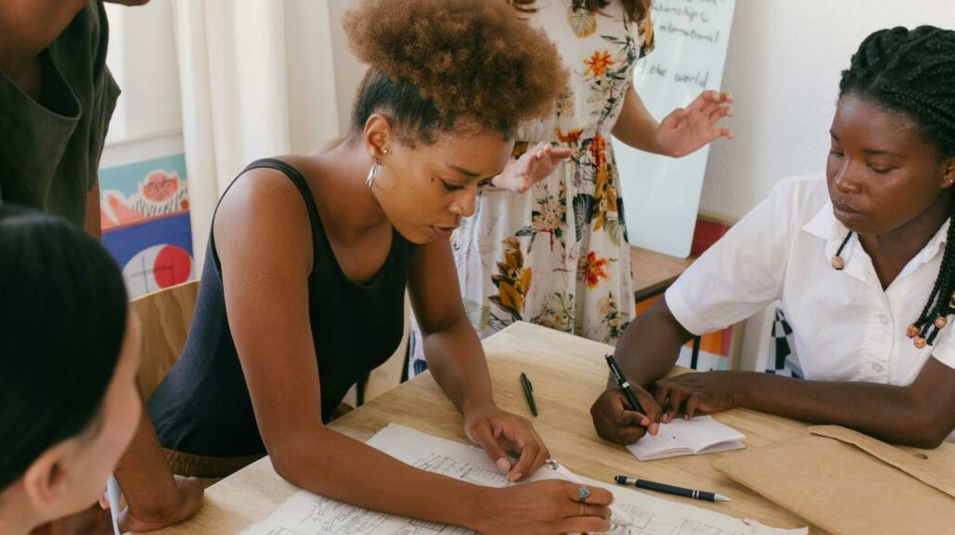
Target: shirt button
883 319
878 367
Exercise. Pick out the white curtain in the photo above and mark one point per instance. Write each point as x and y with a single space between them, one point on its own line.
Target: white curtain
256 80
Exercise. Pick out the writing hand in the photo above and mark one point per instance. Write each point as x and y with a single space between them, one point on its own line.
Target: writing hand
615 421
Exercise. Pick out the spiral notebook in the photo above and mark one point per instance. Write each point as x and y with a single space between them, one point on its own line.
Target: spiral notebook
698 435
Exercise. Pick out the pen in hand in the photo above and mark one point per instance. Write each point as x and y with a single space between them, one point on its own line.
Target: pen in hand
624 385
617 517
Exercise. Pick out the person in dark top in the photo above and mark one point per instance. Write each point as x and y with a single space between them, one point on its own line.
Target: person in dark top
56 99
309 258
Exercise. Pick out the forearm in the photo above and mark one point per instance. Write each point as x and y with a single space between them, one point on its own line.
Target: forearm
330 464
649 348
887 412
456 360
636 127
146 480
92 212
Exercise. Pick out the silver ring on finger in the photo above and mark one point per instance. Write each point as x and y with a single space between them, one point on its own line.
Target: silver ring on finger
583 493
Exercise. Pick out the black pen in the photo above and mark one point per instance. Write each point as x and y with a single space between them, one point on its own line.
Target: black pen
671 489
623 383
529 393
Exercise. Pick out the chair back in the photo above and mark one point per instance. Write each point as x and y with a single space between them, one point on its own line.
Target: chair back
165 316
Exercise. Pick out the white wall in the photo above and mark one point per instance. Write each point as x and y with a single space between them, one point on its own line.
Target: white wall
312 98
142 58
147 121
783 66
348 71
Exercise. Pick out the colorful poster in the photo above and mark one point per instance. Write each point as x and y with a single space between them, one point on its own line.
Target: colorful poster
144 212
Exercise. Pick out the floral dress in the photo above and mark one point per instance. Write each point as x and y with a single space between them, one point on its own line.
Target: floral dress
557 255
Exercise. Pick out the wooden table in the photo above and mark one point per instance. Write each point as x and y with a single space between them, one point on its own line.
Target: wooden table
654 272
568 373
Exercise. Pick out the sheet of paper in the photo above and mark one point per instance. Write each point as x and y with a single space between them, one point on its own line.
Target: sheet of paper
308 514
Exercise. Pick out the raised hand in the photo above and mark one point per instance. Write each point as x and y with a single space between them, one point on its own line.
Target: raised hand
688 129
534 165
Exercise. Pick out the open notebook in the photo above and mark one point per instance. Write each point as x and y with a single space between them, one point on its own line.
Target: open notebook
701 434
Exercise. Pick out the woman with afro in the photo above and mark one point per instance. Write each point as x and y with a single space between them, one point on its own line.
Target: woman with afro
310 256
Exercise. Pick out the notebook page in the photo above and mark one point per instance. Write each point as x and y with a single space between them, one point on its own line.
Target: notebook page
683 437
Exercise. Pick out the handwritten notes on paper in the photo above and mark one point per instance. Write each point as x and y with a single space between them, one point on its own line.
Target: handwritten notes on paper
662 194
307 514
698 23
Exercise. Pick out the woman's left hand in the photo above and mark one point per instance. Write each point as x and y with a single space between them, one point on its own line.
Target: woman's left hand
707 392
687 129
499 432
534 165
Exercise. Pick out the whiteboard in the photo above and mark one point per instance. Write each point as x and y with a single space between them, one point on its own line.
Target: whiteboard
661 195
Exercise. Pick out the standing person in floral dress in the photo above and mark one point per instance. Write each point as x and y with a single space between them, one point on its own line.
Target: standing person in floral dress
557 255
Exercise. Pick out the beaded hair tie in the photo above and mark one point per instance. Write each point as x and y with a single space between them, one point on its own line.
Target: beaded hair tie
837 262
914 332
918 336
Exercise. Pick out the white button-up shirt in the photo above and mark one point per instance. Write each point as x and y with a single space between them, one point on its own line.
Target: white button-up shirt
845 326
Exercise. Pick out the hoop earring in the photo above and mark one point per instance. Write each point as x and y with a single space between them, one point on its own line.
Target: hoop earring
372 173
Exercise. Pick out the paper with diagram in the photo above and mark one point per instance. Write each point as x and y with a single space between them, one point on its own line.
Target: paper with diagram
308 514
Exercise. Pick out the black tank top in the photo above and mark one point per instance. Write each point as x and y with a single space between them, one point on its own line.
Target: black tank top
203 405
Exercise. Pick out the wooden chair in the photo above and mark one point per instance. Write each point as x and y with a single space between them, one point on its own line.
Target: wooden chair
165 316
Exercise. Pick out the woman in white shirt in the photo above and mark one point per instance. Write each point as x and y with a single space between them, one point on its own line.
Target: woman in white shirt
859 260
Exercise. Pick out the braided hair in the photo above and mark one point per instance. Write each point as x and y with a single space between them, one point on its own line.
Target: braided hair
913 72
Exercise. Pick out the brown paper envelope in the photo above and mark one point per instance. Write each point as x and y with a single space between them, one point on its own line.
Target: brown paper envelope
922 465
845 490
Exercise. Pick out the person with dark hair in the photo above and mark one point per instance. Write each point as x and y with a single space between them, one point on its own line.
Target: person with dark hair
309 259
861 260
69 353
548 242
56 99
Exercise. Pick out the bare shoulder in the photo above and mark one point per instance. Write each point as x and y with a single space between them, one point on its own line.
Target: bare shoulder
263 211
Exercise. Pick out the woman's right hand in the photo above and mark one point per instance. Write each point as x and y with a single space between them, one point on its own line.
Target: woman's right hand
547 507
190 500
534 165
615 421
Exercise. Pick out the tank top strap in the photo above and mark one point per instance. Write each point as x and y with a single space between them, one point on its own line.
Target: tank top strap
296 177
